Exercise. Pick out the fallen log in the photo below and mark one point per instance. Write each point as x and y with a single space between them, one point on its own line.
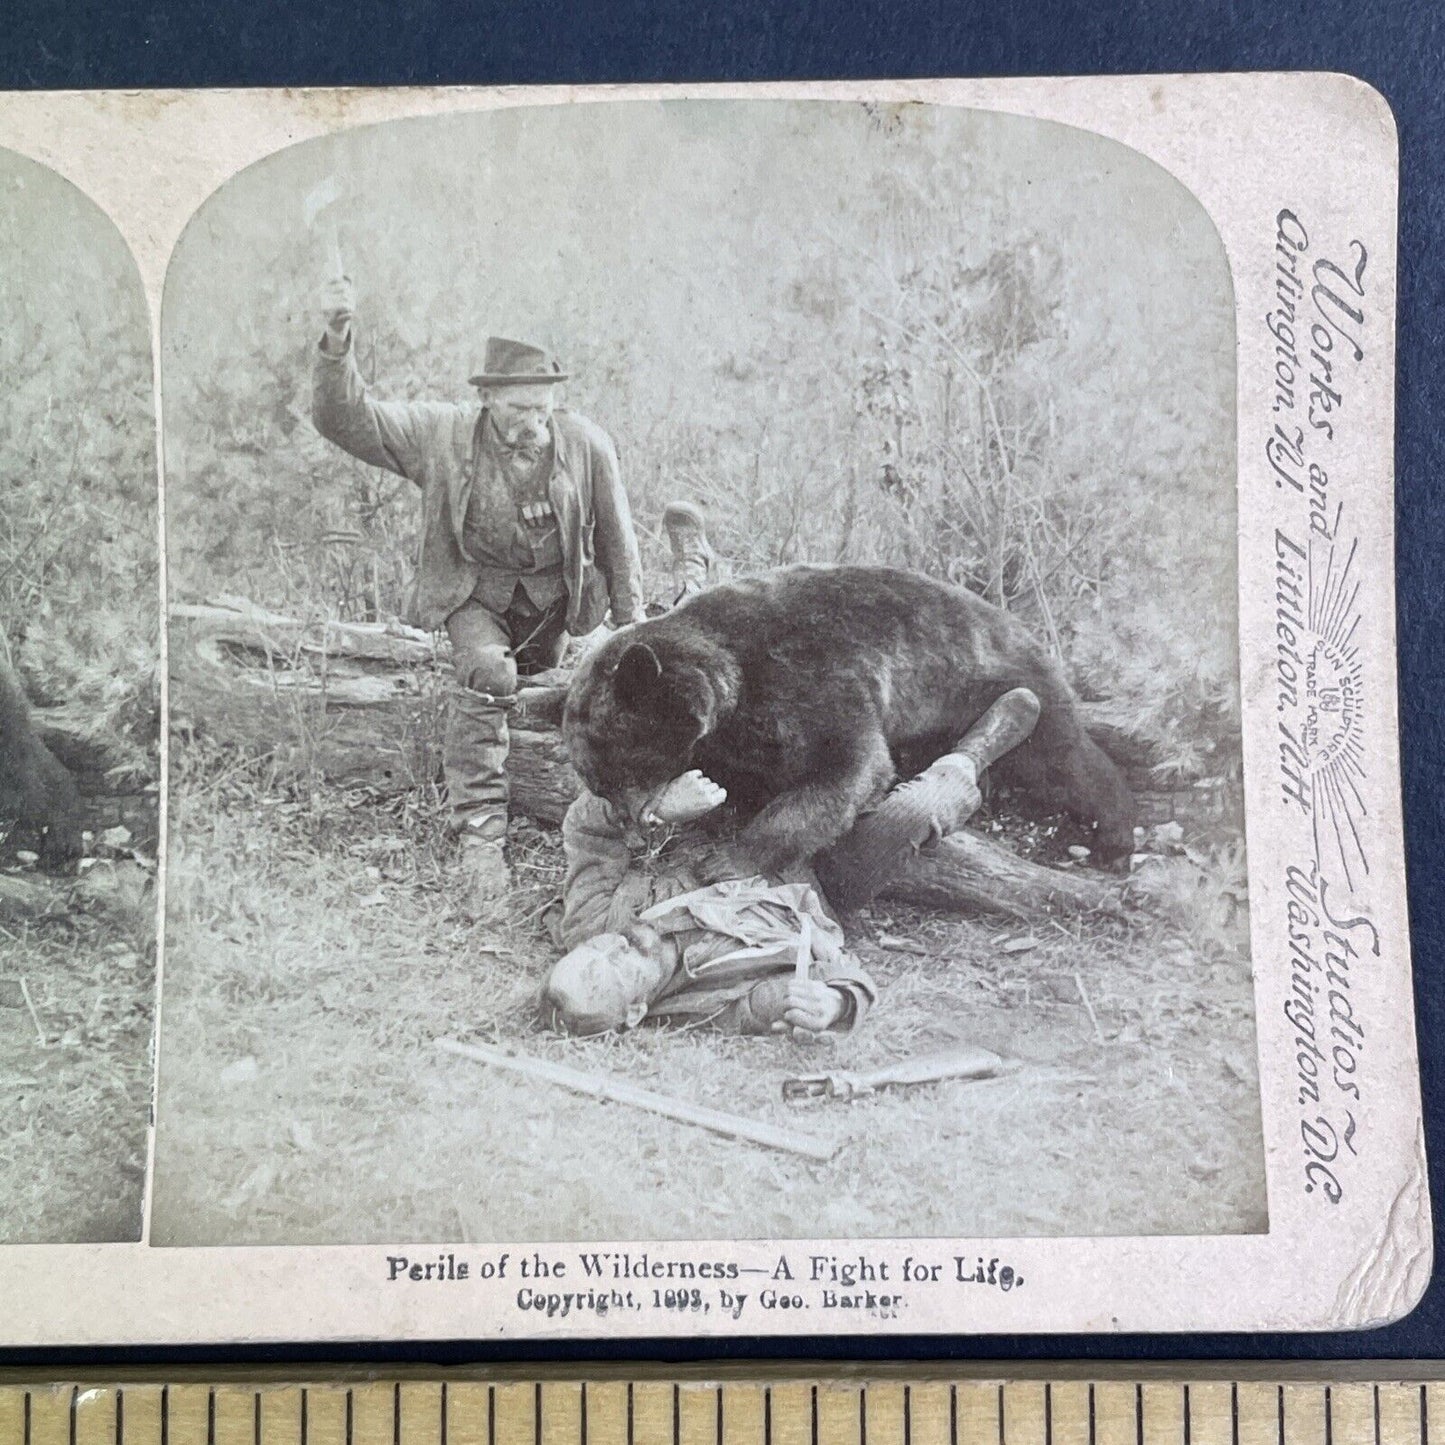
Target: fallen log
968 873
364 704
353 702
350 703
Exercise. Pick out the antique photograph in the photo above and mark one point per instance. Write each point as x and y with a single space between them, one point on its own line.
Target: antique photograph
699 711
79 717
704 686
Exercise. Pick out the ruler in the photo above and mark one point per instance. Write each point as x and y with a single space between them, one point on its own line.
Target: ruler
735 1405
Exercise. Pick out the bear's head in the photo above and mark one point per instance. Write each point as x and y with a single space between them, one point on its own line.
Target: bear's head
636 712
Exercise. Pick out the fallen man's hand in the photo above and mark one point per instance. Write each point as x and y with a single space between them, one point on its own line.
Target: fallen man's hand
812 1006
685 798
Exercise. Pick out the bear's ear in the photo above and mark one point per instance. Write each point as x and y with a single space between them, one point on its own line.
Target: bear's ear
638 673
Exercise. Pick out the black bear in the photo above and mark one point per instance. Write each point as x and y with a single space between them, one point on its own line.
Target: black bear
807 691
35 790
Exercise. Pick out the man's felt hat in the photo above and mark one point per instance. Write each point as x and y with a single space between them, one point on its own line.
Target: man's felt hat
514 363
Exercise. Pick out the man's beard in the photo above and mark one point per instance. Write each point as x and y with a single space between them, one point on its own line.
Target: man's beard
526 443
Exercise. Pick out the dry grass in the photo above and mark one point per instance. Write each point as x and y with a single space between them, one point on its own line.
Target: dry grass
315 957
76 1012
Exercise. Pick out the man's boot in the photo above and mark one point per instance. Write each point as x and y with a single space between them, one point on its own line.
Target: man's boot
692 555
485 878
474 757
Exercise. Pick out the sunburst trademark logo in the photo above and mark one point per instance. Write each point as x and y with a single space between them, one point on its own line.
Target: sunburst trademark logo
1319 678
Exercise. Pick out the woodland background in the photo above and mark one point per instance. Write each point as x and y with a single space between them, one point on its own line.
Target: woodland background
998 351
78 539
80 616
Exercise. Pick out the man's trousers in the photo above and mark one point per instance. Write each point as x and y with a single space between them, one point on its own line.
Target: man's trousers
490 651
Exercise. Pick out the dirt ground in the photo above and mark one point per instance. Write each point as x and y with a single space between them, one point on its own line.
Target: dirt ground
314 959
77 996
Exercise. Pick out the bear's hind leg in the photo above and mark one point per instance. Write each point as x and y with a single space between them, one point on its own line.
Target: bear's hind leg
1062 767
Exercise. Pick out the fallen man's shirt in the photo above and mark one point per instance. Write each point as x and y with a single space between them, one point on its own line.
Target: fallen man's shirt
710 946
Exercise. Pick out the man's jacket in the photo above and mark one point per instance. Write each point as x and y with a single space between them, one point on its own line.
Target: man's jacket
722 937
434 444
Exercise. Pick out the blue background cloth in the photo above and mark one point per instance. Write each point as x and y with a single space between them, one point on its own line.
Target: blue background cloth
1395 45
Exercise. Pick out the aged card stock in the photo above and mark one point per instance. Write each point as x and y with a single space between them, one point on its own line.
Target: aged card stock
777 713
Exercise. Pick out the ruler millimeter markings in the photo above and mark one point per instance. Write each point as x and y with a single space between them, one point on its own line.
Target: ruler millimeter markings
772 1408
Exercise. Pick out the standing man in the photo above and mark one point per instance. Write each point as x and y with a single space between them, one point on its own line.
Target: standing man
526 536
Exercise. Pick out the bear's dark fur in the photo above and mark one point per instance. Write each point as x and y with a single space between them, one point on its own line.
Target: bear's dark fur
35 790
807 691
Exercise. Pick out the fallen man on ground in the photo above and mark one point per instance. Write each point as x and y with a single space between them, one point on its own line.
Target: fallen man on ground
652 932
